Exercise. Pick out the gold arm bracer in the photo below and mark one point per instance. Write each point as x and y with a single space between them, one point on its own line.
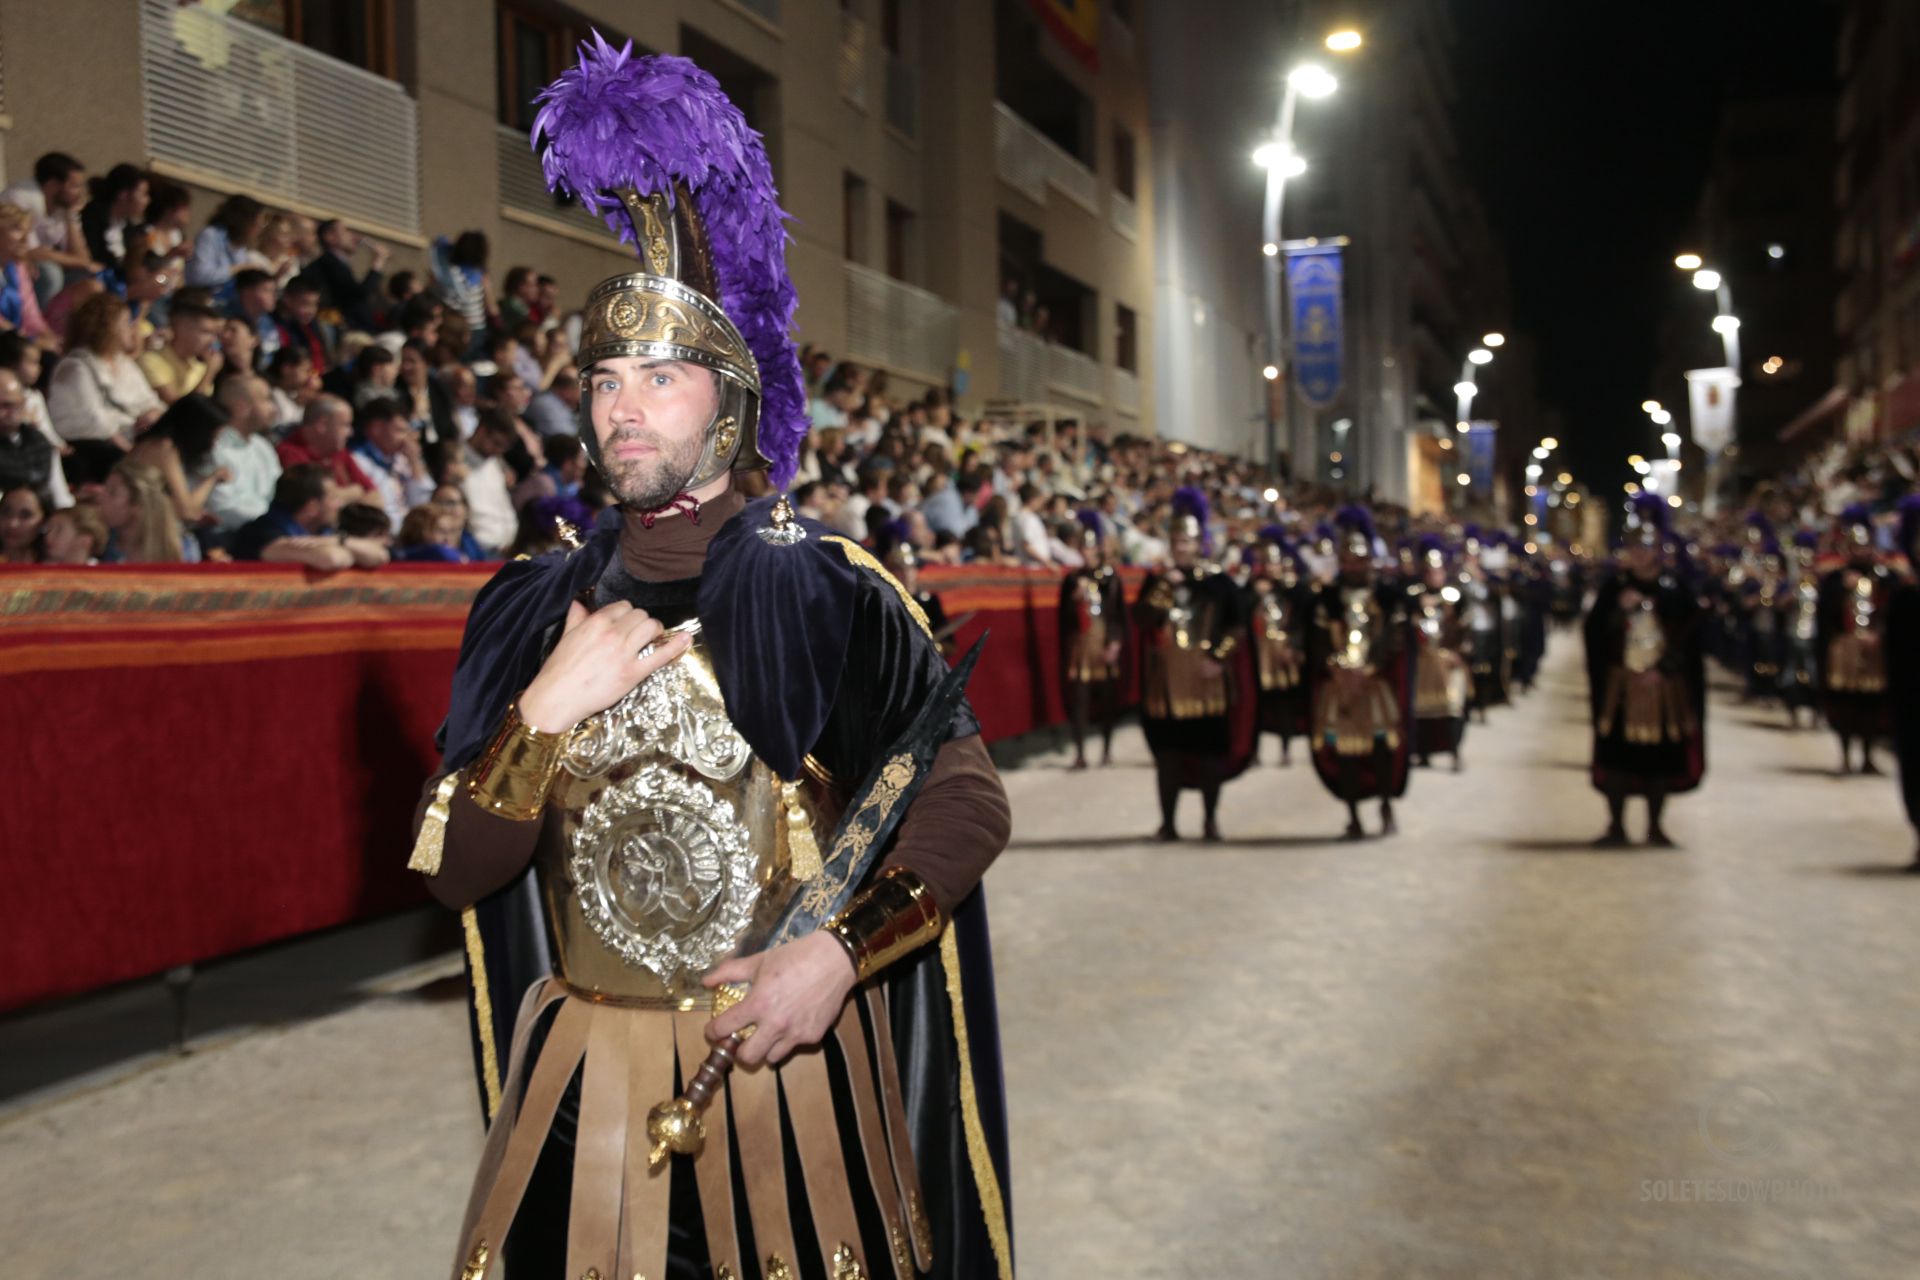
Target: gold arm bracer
890 918
513 775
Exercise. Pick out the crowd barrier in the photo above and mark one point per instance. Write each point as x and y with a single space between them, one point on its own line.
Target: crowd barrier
210 758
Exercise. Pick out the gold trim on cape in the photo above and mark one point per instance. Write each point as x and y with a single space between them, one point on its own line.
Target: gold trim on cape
992 1206
483 1011
859 555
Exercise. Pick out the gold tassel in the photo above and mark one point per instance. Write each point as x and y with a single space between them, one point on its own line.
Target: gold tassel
803 851
432 844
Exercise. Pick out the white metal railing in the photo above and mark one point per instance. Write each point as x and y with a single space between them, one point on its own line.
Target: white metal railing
903 96
523 187
852 62
1070 371
1124 215
1020 162
1029 161
898 325
1123 390
236 103
1023 365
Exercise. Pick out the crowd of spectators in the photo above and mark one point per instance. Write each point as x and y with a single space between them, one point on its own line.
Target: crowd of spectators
260 388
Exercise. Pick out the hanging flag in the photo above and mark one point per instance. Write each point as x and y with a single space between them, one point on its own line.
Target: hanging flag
1075 24
1313 282
1710 397
1476 448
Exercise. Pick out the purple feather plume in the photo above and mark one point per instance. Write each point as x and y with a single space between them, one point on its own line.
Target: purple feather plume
616 120
1354 516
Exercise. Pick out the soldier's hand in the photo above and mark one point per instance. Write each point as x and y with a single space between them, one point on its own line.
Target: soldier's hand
798 990
596 663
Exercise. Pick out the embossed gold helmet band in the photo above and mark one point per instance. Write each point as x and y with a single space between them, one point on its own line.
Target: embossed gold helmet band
657 317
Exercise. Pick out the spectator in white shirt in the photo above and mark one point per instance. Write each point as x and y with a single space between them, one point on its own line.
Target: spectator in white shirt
290 375
488 486
244 447
464 390
99 399
58 247
390 455
853 512
1031 539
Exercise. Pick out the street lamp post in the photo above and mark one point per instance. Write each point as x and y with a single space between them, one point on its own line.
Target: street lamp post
1277 156
1727 325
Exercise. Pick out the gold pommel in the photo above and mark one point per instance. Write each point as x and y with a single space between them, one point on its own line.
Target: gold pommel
892 917
513 775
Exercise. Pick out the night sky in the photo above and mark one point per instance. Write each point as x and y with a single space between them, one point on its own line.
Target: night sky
1587 129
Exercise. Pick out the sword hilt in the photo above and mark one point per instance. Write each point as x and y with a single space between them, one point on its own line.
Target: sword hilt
676 1127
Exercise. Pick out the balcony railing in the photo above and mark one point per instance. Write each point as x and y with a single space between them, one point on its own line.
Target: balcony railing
1029 161
903 96
1023 365
1124 215
898 326
230 103
852 63
1071 372
523 188
1123 390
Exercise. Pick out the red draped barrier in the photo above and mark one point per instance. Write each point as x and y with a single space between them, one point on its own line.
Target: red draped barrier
208 758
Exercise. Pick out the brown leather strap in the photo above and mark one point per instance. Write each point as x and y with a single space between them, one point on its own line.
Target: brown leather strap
904 1168
566 1045
816 1135
538 998
763 1165
873 1137
599 1147
713 1167
644 1227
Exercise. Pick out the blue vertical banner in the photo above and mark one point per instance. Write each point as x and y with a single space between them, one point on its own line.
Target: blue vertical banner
1477 451
1313 281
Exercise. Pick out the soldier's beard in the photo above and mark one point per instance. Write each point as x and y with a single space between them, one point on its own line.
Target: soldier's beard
648 483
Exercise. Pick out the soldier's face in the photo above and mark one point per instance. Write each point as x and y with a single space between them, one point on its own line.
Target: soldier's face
1185 549
651 419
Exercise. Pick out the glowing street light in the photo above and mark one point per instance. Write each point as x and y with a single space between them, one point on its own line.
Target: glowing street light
1725 323
1465 390
1462 427
1271 249
1673 499
1549 444
1688 262
1671 439
1464 479
1312 80
1345 40
1282 160
1270 373
1494 340
1271 495
1634 459
1706 281
1649 406
1480 355
1539 453
1661 417
1565 477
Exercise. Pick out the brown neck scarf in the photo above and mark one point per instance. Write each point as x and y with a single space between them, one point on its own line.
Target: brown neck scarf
674 546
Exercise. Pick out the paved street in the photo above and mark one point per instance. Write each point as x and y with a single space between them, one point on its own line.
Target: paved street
1478 1050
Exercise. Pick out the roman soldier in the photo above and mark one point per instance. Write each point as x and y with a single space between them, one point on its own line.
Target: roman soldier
1281 606
1486 623
1799 630
1196 706
1093 628
1853 662
1443 682
1359 660
1646 677
1762 594
711 805
1903 666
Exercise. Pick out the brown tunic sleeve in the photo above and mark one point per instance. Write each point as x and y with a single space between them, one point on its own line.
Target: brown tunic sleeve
958 824
483 851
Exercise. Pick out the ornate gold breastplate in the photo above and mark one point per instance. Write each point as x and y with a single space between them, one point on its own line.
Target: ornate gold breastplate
676 841
1355 629
1646 639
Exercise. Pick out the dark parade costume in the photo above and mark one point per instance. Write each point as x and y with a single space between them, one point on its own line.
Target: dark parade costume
1196 706
1853 656
1903 666
1442 682
1281 603
1093 629
1486 629
1530 602
1646 681
1762 594
1798 629
1360 662
601 871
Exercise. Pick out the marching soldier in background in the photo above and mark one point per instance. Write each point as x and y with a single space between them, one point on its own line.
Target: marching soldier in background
1360 662
1903 667
1486 624
1093 628
652 741
1853 660
1281 606
1646 678
1799 630
1196 704
1442 683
